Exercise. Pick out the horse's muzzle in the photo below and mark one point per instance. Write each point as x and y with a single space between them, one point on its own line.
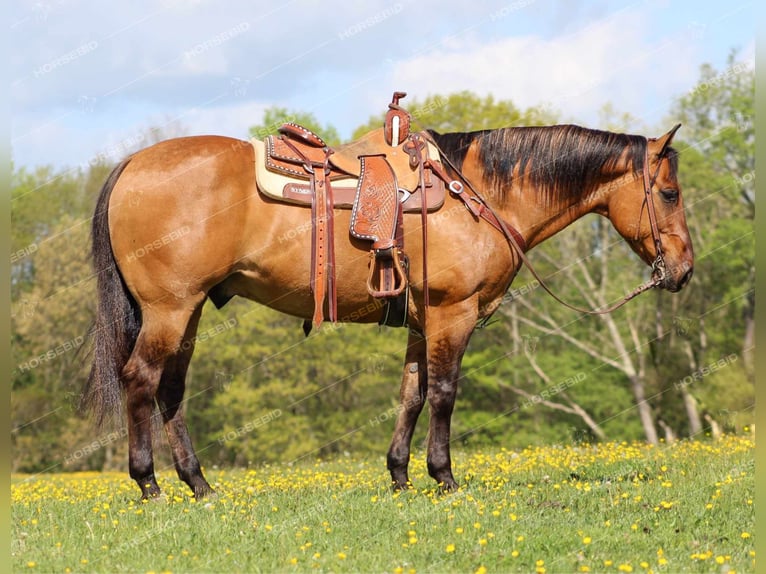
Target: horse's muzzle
673 284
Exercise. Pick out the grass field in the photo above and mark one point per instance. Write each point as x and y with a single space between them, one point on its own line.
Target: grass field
612 507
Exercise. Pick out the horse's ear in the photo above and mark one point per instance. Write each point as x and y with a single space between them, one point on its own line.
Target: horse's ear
661 143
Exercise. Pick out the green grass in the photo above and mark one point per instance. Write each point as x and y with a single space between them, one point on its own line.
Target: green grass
607 508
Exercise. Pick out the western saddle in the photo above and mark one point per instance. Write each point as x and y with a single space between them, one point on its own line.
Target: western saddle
380 176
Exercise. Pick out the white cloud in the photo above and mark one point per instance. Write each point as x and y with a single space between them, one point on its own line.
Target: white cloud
610 60
214 67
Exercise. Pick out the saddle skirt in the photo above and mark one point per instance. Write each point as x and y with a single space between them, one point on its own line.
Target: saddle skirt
280 175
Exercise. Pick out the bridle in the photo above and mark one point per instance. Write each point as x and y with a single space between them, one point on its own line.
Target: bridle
659 270
478 206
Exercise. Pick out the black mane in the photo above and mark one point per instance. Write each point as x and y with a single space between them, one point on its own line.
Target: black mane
565 161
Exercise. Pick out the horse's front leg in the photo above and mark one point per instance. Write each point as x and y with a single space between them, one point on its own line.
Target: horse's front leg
448 332
412 397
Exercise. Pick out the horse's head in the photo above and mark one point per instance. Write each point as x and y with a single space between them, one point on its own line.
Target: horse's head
630 210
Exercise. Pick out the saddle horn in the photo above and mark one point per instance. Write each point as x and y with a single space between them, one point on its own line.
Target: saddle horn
397 123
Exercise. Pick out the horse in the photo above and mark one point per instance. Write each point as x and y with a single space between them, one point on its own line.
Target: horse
182 221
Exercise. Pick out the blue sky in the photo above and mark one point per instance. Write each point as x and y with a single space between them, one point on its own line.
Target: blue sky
93 76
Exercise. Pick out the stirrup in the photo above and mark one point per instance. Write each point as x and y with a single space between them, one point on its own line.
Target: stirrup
392 280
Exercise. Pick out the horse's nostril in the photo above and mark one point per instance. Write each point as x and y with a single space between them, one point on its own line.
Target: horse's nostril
685 279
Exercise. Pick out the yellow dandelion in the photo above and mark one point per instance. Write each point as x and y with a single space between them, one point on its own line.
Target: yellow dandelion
745 535
586 540
625 568
342 555
481 570
584 568
450 548
720 559
31 564
515 554
482 542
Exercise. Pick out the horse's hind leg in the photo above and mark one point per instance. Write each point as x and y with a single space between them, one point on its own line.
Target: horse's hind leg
160 337
412 397
170 398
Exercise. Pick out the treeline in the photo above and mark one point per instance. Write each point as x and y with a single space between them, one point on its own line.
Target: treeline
664 366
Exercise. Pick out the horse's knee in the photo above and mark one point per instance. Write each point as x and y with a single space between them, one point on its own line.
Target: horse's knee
441 396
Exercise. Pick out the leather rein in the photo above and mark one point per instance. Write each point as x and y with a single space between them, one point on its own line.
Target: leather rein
478 206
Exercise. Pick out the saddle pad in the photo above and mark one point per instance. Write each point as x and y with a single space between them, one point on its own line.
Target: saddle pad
297 191
273 184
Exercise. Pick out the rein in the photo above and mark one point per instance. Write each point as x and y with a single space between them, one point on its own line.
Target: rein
478 206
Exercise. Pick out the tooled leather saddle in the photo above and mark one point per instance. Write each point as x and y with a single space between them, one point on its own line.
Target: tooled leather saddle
380 176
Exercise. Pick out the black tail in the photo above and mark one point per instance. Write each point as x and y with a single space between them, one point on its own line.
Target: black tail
118 319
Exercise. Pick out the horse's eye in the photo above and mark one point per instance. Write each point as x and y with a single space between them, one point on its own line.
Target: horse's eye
669 195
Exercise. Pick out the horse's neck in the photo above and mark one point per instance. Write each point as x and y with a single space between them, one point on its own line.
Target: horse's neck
537 221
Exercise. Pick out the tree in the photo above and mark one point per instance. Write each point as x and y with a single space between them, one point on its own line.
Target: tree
718 116
464 111
658 342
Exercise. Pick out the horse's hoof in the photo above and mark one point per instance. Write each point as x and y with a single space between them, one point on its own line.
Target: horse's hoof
207 493
401 486
154 497
448 486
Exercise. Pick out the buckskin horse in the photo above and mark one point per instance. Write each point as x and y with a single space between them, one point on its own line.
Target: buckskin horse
183 221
